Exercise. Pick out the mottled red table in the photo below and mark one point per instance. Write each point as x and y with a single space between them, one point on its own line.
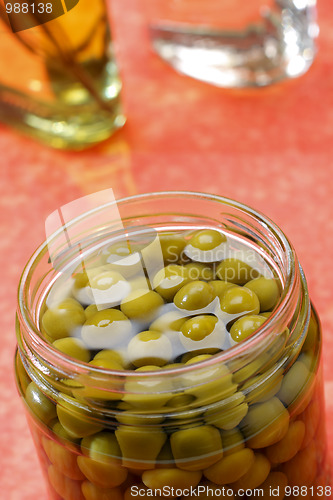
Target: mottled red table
270 148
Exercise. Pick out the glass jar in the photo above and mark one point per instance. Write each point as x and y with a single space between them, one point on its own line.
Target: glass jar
246 420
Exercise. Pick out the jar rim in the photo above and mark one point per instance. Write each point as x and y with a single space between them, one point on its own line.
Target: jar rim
46 349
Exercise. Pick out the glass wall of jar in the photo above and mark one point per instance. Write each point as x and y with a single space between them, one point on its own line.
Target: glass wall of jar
153 404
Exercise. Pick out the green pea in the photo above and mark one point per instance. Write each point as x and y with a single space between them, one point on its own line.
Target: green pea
140 446
106 280
261 388
149 348
107 364
61 432
189 358
62 320
312 335
110 390
245 326
138 418
165 457
196 448
173 478
90 311
117 250
227 416
242 373
236 271
265 423
102 446
139 283
199 327
207 246
194 296
73 348
172 246
240 300
40 404
207 239
106 329
181 401
210 384
295 383
22 376
266 290
203 334
148 394
169 280
123 258
233 441
81 286
76 420
110 355
220 287
141 304
172 320
199 271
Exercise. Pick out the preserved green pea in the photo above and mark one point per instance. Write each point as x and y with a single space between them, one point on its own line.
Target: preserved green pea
173 478
207 239
229 414
149 348
40 404
172 320
207 245
245 326
267 291
148 395
141 304
140 446
233 441
295 382
104 474
101 446
75 419
204 333
93 492
220 287
265 423
110 355
197 271
196 448
209 384
123 258
172 245
255 475
236 271
194 296
106 329
63 319
239 301
90 311
231 468
169 280
73 347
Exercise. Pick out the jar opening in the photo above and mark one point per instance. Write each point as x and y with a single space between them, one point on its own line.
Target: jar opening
156 210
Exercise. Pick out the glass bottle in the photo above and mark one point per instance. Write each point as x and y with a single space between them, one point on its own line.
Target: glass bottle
59 80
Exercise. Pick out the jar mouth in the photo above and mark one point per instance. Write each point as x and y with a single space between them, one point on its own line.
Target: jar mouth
292 274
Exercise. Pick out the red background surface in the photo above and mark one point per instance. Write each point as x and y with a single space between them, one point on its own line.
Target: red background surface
269 148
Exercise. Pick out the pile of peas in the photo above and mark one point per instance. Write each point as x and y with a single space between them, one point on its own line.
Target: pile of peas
255 427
